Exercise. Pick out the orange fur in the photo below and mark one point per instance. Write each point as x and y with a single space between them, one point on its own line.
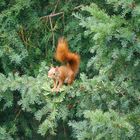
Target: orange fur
64 55
67 72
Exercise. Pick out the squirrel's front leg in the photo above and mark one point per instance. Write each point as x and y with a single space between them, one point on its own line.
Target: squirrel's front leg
60 83
55 85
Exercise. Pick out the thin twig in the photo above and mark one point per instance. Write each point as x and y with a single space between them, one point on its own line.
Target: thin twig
56 14
21 34
52 30
52 15
55 6
77 7
17 114
63 20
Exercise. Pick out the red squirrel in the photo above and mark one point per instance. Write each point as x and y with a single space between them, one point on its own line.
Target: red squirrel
65 73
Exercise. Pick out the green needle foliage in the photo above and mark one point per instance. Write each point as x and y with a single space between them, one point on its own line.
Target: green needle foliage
104 101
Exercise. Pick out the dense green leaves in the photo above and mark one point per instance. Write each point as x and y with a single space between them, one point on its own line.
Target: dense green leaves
104 101
101 125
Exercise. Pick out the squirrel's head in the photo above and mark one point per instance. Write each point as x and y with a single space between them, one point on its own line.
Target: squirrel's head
53 72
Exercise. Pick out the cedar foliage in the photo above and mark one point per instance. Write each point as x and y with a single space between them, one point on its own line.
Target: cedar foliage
104 101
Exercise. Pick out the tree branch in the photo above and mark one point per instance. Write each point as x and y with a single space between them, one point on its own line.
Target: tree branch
56 14
52 15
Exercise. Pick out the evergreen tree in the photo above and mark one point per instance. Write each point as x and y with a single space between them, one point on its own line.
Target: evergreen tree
104 101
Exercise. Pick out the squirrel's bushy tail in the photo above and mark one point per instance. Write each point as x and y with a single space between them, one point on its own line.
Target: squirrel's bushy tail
64 55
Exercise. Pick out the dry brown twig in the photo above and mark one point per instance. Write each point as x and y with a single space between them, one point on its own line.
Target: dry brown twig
22 35
52 30
53 14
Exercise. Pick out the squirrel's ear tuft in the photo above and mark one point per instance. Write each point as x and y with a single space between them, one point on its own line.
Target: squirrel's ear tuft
56 68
